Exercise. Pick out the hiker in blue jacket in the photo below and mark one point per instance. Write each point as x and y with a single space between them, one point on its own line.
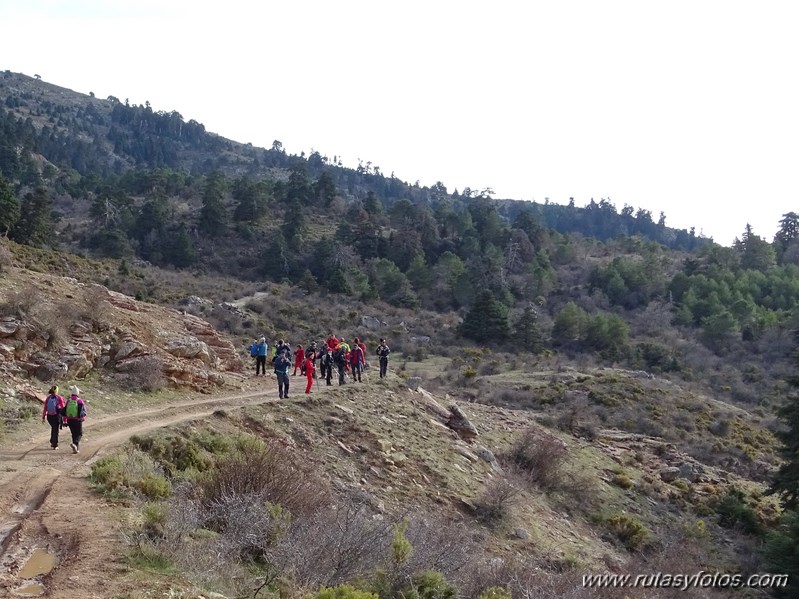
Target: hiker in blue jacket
260 356
282 365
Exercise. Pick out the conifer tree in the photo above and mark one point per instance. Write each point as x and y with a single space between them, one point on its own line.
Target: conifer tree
213 218
486 321
35 225
9 207
527 334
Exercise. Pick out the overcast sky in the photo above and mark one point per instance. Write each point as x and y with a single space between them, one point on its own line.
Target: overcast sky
690 108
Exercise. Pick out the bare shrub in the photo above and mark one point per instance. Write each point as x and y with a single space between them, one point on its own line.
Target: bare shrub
333 546
146 375
271 472
53 321
21 303
540 458
6 258
96 308
496 502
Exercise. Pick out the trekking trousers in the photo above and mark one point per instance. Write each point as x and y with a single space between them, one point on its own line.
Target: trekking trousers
383 367
310 382
76 428
260 365
282 384
54 420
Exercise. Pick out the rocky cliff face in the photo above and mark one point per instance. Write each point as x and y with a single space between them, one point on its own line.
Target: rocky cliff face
58 329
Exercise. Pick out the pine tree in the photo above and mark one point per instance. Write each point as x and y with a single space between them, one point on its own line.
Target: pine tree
486 321
35 225
527 334
9 207
786 481
213 218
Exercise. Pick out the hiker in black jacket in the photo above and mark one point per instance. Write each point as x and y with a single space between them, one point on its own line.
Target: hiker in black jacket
382 352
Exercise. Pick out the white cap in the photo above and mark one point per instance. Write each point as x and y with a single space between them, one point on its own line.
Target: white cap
74 390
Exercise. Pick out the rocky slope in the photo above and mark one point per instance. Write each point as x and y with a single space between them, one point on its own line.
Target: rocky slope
58 330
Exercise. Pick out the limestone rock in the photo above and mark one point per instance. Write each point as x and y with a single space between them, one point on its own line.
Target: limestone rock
669 474
458 422
414 382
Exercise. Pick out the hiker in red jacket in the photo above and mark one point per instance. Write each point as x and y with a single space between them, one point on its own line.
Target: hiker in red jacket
299 357
309 372
356 360
332 342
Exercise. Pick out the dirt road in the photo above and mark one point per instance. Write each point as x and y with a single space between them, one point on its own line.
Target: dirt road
46 504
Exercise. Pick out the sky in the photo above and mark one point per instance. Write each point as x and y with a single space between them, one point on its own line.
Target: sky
686 107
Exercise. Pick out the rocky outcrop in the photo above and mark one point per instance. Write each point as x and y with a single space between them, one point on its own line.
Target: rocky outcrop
90 327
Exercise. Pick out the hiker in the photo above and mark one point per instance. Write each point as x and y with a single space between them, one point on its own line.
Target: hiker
282 365
260 358
53 411
332 342
340 359
309 372
326 360
382 352
74 415
356 360
299 358
254 350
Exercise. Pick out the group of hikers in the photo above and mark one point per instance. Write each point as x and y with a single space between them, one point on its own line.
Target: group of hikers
349 361
57 412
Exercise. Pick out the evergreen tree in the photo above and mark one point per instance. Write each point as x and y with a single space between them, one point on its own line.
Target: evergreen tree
213 218
178 248
9 207
782 543
324 189
294 227
786 481
486 321
36 223
526 332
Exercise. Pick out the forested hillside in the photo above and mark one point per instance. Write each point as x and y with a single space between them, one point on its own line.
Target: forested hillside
512 303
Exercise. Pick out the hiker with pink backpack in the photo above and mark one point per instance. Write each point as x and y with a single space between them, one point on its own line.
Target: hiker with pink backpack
52 412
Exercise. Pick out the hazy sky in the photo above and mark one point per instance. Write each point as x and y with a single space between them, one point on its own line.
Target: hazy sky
690 108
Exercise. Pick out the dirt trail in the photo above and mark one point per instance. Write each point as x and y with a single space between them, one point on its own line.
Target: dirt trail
45 503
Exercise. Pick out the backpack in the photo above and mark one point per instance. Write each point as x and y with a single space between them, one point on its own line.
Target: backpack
340 356
51 404
73 409
253 350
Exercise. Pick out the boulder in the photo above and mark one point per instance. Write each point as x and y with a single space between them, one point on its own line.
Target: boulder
51 371
487 456
77 365
127 349
8 327
414 382
372 323
689 472
189 349
669 474
458 422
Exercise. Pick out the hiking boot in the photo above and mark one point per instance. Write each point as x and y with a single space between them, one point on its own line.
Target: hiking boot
54 446
74 448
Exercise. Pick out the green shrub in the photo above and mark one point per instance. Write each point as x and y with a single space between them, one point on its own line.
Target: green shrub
343 591
107 473
429 585
734 511
153 486
627 529
495 593
623 481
